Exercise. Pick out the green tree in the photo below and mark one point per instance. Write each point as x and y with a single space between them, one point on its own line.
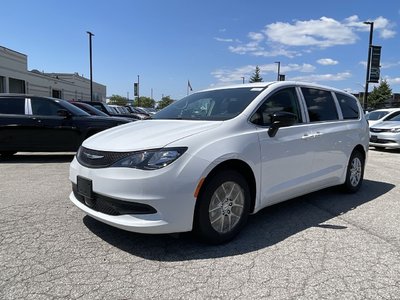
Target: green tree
377 97
118 100
144 102
256 76
164 102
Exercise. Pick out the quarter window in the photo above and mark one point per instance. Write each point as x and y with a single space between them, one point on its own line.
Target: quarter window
12 106
282 101
349 106
320 105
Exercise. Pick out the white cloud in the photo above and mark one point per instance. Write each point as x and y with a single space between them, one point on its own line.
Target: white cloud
327 62
393 81
228 76
325 32
293 39
387 33
223 40
385 65
323 77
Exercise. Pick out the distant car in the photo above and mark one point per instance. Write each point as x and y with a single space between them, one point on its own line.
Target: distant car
29 123
379 115
111 111
386 134
142 115
207 161
95 112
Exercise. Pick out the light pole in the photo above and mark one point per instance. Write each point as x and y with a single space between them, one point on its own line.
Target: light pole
91 70
279 70
138 97
371 31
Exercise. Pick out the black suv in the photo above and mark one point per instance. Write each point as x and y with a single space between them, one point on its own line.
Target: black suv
31 123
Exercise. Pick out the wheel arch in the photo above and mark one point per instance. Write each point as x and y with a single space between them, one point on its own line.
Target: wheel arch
241 167
360 149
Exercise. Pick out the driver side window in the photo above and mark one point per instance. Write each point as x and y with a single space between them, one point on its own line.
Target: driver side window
282 101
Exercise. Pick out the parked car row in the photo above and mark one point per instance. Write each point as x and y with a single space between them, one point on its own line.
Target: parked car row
30 123
112 110
384 128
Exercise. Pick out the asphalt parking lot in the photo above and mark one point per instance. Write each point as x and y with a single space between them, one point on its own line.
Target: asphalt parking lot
325 245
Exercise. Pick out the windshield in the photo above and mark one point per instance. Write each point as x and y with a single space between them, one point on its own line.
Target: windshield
394 117
376 115
216 105
72 108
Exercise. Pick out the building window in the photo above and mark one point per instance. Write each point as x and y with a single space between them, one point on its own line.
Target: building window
16 86
56 94
2 84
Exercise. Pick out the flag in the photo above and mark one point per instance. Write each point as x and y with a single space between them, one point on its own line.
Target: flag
190 86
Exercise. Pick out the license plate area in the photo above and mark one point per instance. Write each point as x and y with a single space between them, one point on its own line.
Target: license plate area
373 138
85 187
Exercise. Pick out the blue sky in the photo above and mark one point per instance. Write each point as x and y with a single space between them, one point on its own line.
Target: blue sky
209 42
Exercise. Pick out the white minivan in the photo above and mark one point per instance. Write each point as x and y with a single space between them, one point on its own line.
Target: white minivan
207 161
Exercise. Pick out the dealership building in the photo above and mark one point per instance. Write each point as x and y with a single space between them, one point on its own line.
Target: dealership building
15 78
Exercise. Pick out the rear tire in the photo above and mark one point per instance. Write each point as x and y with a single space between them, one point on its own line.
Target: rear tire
355 172
222 207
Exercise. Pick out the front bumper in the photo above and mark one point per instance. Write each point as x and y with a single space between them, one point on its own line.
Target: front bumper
386 139
168 193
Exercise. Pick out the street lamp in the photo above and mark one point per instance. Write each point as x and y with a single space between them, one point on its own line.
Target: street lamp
138 97
279 70
91 71
371 31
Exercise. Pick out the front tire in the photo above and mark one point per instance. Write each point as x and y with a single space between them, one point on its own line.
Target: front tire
222 207
355 172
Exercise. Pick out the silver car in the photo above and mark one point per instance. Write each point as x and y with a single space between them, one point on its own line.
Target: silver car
386 134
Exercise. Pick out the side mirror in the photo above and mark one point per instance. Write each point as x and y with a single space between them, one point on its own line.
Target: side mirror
63 113
281 119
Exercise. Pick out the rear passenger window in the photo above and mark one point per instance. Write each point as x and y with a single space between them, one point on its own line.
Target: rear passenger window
12 106
44 107
320 105
349 106
282 101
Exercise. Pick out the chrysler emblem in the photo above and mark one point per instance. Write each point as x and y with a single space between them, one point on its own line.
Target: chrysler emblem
93 156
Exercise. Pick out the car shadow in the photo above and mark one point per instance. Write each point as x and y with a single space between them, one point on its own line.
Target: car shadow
264 229
42 157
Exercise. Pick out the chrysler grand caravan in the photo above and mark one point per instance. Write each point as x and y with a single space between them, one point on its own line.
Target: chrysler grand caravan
206 162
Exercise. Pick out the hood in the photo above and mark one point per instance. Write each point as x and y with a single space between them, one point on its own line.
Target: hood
387 125
147 134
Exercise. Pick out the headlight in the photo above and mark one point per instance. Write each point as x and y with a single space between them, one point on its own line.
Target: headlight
151 159
395 130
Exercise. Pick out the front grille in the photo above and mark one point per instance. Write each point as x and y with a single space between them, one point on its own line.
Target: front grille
113 207
381 141
99 159
379 130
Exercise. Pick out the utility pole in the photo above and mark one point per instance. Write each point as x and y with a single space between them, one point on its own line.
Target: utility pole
138 97
279 70
371 31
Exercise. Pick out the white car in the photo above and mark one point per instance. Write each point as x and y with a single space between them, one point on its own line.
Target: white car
386 134
206 162
380 115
